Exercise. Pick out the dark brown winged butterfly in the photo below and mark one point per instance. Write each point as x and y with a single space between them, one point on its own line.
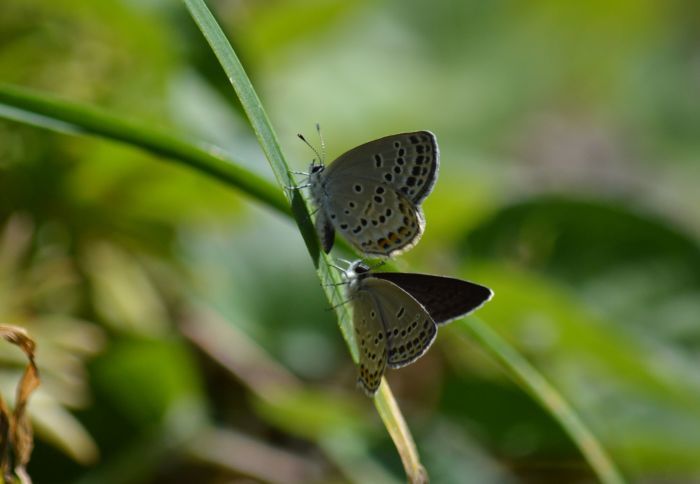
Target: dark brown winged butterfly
396 315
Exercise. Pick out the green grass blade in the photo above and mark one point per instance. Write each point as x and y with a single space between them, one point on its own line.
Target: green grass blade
268 141
263 129
541 390
396 426
244 89
57 115
256 115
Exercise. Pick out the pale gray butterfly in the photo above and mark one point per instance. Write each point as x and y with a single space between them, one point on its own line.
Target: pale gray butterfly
372 193
396 315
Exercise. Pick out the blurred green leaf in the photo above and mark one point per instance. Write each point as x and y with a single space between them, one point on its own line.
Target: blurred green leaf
312 414
147 378
533 382
580 240
43 111
605 369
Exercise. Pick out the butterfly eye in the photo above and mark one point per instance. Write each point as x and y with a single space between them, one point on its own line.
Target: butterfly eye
317 168
361 268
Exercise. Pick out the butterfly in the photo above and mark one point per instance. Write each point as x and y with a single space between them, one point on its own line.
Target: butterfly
372 193
396 315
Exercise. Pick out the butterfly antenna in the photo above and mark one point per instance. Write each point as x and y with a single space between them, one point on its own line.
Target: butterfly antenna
338 267
323 143
378 264
348 262
318 155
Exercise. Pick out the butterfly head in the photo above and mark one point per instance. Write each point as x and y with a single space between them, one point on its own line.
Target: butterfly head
316 183
358 268
356 272
315 170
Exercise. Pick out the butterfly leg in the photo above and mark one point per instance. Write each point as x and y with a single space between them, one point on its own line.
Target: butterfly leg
335 284
297 187
343 303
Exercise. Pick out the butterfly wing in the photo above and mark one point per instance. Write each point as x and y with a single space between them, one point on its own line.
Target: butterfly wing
371 341
406 162
445 298
372 193
383 223
408 327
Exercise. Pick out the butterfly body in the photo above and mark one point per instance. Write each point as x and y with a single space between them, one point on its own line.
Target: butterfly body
372 193
396 315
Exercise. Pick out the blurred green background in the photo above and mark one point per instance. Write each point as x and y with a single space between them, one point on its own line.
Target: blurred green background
182 333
